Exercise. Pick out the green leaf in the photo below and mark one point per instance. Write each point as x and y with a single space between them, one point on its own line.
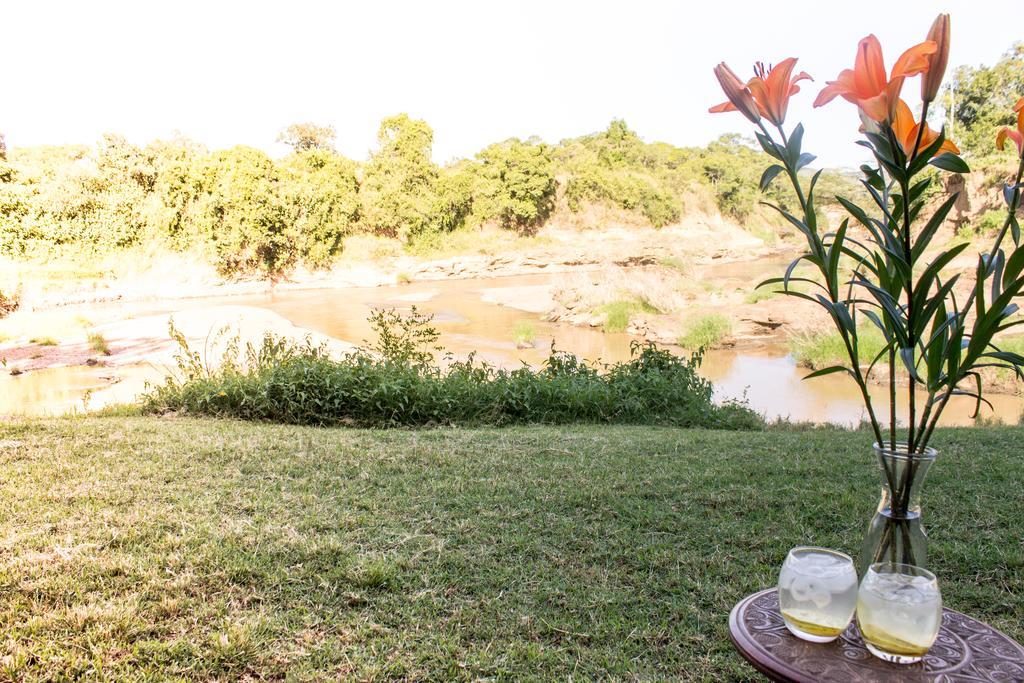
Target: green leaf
907 356
874 178
1014 267
950 162
769 146
828 371
932 226
796 139
924 155
804 159
769 175
1009 193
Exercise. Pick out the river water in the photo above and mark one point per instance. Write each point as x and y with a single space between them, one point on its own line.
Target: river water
469 320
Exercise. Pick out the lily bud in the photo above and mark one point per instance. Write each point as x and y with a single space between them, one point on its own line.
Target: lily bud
737 93
932 78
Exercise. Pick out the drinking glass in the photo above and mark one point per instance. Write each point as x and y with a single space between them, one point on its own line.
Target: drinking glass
899 611
817 593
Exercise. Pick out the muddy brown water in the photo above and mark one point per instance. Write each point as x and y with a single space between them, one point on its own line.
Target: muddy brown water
767 378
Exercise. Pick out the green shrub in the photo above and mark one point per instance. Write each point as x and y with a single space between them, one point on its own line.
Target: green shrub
517 184
990 222
615 167
678 264
819 349
617 313
396 383
705 331
249 214
243 216
319 190
398 188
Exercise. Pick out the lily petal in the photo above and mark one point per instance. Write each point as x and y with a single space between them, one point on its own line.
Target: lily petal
723 107
915 60
869 67
843 85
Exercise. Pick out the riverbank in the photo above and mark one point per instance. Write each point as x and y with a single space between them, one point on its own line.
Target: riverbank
147 548
369 261
591 292
114 316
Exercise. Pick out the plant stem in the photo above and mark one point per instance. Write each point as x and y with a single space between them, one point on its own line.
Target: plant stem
807 210
892 351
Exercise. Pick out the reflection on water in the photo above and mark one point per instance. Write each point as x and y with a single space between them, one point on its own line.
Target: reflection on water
55 391
767 378
772 383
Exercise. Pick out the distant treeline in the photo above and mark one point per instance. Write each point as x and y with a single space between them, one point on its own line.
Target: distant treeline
252 213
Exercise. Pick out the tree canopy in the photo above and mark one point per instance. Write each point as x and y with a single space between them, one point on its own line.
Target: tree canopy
250 213
979 100
306 136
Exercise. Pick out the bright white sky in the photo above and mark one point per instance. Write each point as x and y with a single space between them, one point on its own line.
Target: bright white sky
228 73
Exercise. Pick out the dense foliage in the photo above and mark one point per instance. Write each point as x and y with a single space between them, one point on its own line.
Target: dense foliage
397 383
250 213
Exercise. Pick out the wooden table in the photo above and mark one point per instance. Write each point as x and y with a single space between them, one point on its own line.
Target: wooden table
966 650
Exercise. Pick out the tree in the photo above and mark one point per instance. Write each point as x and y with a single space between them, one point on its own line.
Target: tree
305 136
319 190
517 185
399 182
242 214
978 101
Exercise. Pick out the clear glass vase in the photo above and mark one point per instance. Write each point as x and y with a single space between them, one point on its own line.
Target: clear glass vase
896 533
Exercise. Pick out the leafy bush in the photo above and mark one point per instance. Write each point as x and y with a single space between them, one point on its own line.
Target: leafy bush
319 190
399 180
615 167
396 383
242 214
623 188
517 183
981 100
990 222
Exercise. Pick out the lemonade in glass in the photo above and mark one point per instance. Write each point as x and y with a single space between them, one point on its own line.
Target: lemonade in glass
817 593
899 611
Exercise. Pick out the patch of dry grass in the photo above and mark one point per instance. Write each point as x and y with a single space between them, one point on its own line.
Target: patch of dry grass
663 289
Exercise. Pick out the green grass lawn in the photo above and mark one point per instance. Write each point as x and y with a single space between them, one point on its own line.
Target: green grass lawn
148 548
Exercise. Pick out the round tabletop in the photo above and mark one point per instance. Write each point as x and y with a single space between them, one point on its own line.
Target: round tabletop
966 650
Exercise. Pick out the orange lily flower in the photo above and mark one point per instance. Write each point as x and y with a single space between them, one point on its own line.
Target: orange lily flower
739 96
905 128
771 89
1016 135
866 84
932 79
